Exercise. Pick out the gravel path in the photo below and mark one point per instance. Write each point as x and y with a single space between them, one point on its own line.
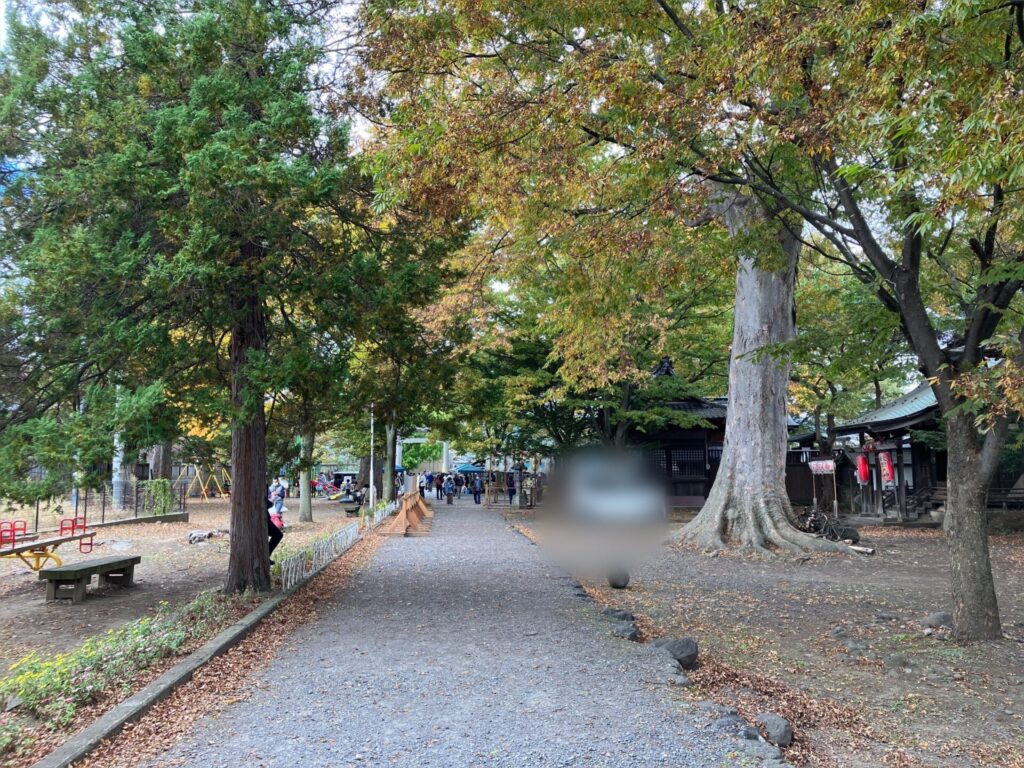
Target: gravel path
463 648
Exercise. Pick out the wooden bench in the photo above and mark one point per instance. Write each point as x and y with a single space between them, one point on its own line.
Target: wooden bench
1006 497
71 580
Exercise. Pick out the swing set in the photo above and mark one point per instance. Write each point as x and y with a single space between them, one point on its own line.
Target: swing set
205 481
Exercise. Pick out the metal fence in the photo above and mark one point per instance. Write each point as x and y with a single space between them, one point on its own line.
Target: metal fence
303 564
138 499
382 512
314 557
102 505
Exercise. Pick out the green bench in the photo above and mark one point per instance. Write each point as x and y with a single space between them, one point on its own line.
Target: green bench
70 581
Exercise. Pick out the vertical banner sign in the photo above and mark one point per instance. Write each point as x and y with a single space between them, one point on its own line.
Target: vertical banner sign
885 463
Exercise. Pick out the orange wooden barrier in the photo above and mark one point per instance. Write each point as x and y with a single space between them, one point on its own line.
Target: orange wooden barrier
412 519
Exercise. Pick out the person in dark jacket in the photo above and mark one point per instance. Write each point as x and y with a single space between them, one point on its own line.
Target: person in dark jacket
511 487
478 488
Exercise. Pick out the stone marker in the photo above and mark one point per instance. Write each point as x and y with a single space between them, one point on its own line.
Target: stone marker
626 630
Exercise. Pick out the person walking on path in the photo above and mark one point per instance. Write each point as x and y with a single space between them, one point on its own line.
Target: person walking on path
423 486
439 485
449 489
478 487
459 482
511 487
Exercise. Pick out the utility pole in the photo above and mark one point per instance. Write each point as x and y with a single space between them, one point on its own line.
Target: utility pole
373 485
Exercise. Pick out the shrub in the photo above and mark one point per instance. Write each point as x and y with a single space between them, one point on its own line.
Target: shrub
158 496
54 688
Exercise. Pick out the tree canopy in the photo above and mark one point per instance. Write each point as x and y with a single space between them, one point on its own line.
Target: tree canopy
495 222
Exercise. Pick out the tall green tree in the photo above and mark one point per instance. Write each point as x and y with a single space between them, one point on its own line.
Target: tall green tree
848 355
171 153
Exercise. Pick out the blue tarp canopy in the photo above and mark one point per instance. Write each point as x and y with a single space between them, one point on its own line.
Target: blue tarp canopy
469 468
399 468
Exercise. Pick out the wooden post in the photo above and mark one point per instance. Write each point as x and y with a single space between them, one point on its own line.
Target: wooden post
901 494
863 488
879 487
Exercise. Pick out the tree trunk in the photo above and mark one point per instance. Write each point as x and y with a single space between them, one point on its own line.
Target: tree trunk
363 478
391 441
305 477
161 461
249 561
748 505
975 609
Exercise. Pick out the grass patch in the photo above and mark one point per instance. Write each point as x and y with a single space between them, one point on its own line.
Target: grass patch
52 690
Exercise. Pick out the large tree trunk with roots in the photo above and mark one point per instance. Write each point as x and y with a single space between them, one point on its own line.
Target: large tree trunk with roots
748 506
975 609
305 476
249 561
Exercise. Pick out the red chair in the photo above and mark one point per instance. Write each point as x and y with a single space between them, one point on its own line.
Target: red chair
7 534
69 526
11 530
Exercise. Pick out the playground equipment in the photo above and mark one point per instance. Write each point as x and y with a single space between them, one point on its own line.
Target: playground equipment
15 541
204 480
13 531
325 487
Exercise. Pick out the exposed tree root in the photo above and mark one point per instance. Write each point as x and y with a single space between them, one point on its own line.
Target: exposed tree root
757 522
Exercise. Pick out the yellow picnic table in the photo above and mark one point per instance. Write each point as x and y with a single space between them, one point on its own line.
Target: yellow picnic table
36 554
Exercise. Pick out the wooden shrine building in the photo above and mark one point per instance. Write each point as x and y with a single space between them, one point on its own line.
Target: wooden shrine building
901 445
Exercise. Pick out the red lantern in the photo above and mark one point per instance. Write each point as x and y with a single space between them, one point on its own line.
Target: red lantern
863 470
885 464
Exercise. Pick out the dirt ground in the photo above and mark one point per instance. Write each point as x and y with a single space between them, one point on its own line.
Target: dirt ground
836 643
172 571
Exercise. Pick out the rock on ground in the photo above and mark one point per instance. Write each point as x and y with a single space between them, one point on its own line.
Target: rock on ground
936 620
683 650
777 727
